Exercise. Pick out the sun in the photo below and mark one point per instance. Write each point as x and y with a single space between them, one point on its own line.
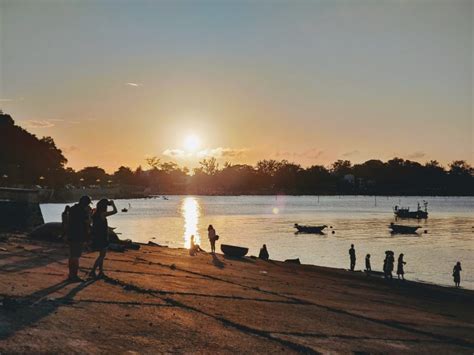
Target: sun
191 143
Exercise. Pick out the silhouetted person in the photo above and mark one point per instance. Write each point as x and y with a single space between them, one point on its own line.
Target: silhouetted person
263 253
400 271
78 234
352 255
457 274
65 222
100 233
368 268
194 248
388 264
211 233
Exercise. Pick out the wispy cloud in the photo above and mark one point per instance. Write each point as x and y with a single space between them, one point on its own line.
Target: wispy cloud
416 155
70 149
221 152
134 84
313 153
39 123
351 153
174 153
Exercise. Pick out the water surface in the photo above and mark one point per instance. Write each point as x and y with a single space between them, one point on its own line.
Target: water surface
255 220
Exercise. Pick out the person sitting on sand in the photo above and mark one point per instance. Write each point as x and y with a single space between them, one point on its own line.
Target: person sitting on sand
400 271
263 253
100 233
211 232
78 233
457 274
194 248
368 268
352 255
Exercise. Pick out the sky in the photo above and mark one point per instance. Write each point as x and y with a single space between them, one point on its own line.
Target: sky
115 82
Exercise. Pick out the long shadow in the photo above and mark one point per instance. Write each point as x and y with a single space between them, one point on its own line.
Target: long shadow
216 262
21 313
36 259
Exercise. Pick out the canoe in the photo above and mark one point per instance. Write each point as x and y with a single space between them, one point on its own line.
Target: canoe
234 251
399 229
310 229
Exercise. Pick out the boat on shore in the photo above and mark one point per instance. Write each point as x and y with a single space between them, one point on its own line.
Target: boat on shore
234 251
310 229
401 229
404 212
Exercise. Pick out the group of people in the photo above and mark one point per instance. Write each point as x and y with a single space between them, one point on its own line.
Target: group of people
389 262
84 225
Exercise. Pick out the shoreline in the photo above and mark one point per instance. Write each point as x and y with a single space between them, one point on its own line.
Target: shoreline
160 299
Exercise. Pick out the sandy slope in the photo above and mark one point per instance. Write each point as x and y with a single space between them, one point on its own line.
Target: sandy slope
163 300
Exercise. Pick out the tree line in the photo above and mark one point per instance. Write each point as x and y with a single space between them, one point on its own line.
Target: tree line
26 160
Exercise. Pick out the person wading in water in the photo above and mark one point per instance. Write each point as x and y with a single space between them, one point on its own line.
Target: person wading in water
100 234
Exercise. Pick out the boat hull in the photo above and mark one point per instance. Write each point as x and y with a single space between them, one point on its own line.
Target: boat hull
310 229
398 229
234 251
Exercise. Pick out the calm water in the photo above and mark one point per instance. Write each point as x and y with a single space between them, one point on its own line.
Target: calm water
254 220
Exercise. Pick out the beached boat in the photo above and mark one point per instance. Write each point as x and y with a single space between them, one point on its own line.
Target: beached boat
404 212
310 229
400 229
234 251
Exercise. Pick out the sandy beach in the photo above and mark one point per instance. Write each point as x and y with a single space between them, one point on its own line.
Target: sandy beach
159 299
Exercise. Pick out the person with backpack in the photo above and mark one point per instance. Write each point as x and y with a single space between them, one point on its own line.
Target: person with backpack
100 234
78 234
213 237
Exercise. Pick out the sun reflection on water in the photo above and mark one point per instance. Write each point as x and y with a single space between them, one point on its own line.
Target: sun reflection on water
190 210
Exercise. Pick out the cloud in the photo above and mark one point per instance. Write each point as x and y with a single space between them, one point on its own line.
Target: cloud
306 154
134 84
221 152
39 123
351 153
70 149
416 155
174 153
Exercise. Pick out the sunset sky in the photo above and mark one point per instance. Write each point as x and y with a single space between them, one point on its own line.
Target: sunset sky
308 81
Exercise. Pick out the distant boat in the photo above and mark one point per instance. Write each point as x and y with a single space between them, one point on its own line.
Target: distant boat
310 229
234 251
165 198
404 212
400 229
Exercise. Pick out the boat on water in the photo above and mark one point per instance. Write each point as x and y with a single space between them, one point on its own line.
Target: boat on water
310 229
401 229
234 251
404 212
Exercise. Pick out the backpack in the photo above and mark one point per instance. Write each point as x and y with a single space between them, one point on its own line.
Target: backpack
217 237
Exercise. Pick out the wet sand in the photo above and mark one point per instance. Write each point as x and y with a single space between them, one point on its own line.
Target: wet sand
159 300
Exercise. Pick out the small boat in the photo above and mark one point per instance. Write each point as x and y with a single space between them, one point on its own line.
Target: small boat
404 212
310 229
234 251
399 229
124 210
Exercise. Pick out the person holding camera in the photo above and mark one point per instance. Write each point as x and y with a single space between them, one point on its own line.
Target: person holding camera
100 233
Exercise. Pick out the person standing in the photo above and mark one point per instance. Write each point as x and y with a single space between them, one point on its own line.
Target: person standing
352 255
100 233
65 222
211 233
400 271
78 234
457 274
368 268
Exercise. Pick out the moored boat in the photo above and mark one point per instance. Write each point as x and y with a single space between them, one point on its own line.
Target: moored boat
310 229
404 212
401 229
234 251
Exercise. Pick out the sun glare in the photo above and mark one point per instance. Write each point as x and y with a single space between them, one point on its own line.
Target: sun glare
192 142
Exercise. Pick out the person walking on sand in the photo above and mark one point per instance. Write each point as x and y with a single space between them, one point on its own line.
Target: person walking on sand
100 234
457 274
352 255
400 271
388 264
78 234
211 233
263 253
368 268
